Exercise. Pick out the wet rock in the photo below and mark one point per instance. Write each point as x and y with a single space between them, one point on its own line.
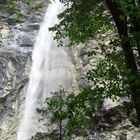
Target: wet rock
16 40
79 138
14 70
22 33
115 120
4 30
25 41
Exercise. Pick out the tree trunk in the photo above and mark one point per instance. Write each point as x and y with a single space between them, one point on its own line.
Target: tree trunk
128 52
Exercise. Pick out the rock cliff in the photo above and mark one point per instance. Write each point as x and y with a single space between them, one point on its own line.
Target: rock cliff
16 42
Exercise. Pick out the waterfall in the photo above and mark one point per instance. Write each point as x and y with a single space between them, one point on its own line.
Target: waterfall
51 68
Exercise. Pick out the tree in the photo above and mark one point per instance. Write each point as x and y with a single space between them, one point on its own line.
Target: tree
75 114
55 111
81 21
122 27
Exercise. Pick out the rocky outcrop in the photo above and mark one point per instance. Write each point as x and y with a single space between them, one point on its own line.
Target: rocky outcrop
14 70
115 122
16 42
22 33
84 62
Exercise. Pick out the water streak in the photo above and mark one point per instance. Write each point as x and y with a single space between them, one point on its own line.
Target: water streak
51 68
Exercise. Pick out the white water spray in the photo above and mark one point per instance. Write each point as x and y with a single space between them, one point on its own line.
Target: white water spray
51 68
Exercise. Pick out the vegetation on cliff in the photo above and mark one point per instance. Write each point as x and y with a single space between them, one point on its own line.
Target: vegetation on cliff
81 21
115 76
13 9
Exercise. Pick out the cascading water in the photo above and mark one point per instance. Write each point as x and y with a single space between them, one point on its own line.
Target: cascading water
51 68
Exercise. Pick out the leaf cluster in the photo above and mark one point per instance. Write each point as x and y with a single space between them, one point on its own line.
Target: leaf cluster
12 8
81 21
73 114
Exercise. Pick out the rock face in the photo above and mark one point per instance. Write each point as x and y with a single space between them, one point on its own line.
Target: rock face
14 70
22 34
16 42
83 62
115 122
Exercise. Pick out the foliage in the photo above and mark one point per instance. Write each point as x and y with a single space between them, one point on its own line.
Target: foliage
55 112
12 7
69 114
32 6
112 77
81 21
74 114
110 74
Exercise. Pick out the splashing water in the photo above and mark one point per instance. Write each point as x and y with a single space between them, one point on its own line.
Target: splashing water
51 68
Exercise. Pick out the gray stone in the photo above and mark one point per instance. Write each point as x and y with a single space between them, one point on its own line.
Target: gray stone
16 41
13 72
